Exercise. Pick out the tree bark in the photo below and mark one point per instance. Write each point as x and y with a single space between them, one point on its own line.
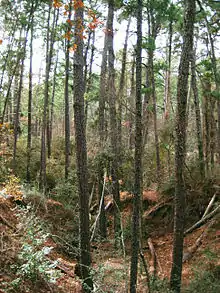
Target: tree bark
121 84
17 110
180 145
43 182
198 116
113 121
135 246
102 135
66 98
30 96
81 154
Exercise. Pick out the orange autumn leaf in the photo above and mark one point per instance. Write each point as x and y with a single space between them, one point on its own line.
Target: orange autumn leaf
69 22
57 4
67 36
1 41
78 4
73 48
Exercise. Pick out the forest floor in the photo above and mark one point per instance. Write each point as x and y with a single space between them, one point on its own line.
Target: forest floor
111 268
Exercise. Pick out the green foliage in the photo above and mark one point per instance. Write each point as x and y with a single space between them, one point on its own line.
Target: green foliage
32 264
148 43
158 285
205 281
65 191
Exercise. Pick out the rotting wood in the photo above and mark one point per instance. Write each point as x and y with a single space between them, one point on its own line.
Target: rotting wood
202 221
209 205
188 254
61 267
155 208
153 256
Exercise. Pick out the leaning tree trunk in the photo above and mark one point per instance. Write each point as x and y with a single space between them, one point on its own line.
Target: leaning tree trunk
180 146
81 154
138 158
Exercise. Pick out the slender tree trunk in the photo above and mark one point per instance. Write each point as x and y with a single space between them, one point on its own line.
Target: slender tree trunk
113 121
138 158
50 56
131 104
28 174
53 97
121 84
216 74
168 74
45 112
198 116
66 94
17 111
9 89
152 34
206 90
102 136
180 146
89 81
81 154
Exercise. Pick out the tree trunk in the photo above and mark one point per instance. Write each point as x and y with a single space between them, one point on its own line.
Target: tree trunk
168 74
121 85
66 98
50 56
138 158
131 105
152 34
180 146
81 154
198 116
215 73
89 81
53 97
113 121
17 110
102 136
42 182
30 95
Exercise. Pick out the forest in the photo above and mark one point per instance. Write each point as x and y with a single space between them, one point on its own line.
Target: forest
110 146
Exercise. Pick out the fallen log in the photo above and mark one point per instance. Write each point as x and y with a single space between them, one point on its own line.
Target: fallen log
188 254
62 268
203 220
158 206
209 205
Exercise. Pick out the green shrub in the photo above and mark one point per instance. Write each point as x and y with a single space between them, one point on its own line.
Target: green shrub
32 264
205 282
